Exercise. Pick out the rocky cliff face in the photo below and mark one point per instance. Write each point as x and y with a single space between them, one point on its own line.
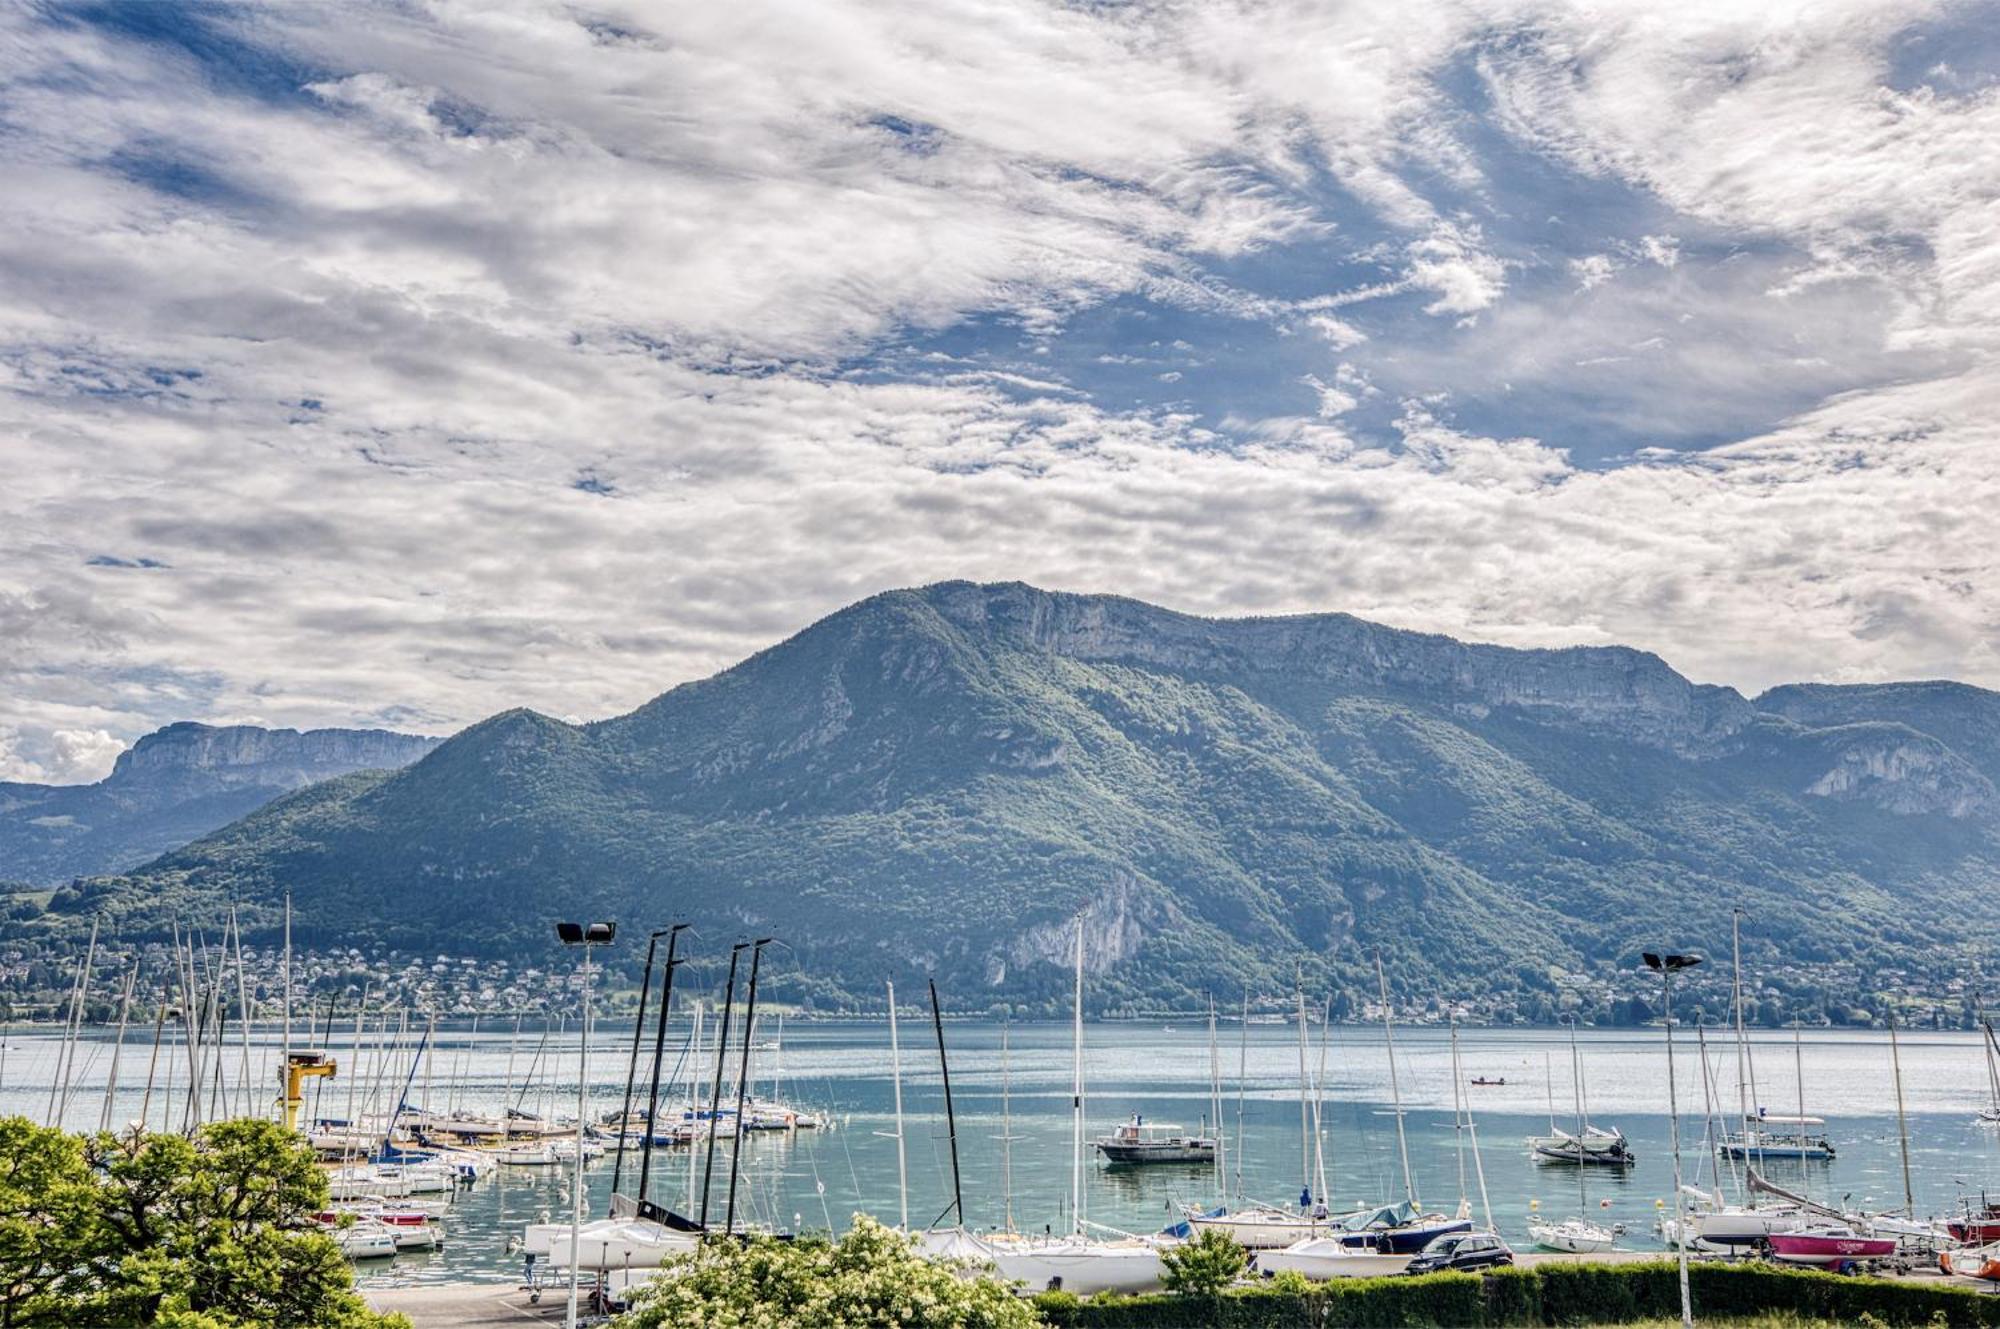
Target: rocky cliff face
173 786
249 755
1613 690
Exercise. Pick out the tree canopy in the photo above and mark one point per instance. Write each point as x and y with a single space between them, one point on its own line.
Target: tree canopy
212 1232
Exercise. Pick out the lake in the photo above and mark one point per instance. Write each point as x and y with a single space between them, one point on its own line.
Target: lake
818 1178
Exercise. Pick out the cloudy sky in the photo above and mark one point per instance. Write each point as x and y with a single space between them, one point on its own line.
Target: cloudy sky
397 365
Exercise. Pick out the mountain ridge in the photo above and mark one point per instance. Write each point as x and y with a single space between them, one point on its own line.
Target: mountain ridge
171 787
941 778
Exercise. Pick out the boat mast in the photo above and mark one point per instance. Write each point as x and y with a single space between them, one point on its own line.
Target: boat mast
1076 1092
1319 1106
118 1045
1458 1106
1305 1123
715 1090
632 1065
1395 1088
1242 1075
1902 1119
285 1005
950 1118
1007 1124
1215 1103
1478 1164
896 1078
1708 1105
1576 1088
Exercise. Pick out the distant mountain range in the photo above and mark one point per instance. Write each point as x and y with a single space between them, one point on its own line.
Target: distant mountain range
942 779
171 787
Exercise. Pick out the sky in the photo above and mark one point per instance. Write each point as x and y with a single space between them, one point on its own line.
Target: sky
396 365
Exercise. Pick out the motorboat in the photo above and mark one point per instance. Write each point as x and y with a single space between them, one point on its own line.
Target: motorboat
1593 1146
1578 1236
1322 1258
1481 1082
1829 1244
1766 1136
1140 1141
542 1154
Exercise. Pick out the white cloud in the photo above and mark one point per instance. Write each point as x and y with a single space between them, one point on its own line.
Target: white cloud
1449 263
506 362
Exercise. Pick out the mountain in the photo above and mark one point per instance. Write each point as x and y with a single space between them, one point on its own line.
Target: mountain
942 779
172 786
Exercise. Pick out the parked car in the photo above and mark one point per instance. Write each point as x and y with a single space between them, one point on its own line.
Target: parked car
1462 1251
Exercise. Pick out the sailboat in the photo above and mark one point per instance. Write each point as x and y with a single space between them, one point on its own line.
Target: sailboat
1075 1262
1577 1235
1266 1227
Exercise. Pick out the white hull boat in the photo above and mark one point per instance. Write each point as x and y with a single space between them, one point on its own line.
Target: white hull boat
1262 1229
364 1241
1733 1226
1078 1265
1574 1235
1322 1258
618 1243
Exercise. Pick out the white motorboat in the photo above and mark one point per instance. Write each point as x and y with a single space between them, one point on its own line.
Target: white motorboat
1766 1136
527 1155
1577 1236
1322 1258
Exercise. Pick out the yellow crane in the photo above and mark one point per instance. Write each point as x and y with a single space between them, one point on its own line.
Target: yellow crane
300 1067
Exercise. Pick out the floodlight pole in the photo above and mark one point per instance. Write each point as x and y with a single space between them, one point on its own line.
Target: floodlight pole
577 934
1666 966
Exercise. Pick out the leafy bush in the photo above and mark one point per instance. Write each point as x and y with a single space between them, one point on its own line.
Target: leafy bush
1205 1266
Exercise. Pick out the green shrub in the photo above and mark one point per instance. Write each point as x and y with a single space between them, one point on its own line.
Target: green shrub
1205 1266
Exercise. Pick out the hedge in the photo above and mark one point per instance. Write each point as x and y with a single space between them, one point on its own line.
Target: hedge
1549 1294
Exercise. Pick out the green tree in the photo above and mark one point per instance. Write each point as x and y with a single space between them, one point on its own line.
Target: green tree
1205 1266
871 1276
213 1232
48 1223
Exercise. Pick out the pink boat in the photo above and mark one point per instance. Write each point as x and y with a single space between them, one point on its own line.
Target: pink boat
1829 1245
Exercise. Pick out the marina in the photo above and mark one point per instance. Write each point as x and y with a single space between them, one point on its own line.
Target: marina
1014 1128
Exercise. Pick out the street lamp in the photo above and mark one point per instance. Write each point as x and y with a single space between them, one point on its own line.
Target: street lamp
1666 966
586 936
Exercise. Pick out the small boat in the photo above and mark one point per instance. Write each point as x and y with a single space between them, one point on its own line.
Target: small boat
1973 1262
528 1155
1767 1136
1736 1225
1833 1244
1976 1227
1397 1229
1594 1146
1076 1264
1322 1258
1482 1082
1260 1228
1139 1141
364 1241
1578 1236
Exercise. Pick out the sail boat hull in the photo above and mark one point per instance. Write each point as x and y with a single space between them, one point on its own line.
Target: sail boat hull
1323 1258
1082 1267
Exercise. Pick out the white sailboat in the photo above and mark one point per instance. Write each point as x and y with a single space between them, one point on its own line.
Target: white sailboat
1578 1235
1079 1262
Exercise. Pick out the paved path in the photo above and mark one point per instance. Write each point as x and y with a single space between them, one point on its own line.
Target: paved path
470 1305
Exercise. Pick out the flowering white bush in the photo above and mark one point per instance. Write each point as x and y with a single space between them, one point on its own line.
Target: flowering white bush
872 1277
